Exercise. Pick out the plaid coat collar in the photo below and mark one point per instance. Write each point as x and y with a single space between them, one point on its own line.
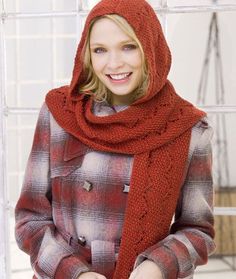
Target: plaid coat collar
74 148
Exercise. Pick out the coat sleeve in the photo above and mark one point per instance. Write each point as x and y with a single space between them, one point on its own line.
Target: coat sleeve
51 256
190 241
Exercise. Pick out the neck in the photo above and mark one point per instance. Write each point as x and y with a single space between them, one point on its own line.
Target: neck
121 100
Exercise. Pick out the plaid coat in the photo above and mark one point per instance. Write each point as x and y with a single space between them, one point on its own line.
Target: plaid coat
71 210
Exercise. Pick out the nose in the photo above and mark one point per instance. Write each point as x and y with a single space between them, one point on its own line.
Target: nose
115 61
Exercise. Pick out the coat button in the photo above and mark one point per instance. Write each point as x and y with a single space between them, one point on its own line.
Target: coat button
87 186
126 188
82 240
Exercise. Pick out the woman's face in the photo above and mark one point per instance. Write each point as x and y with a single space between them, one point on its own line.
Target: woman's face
116 60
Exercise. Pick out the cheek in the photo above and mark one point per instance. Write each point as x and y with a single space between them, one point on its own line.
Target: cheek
97 63
135 60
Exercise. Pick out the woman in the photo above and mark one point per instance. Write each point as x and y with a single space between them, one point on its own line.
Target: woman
116 155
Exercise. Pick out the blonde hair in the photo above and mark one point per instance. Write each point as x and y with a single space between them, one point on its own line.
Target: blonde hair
93 86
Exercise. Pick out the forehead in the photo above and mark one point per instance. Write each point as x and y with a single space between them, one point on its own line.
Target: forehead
105 30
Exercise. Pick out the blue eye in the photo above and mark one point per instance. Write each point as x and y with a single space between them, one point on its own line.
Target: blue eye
129 47
99 50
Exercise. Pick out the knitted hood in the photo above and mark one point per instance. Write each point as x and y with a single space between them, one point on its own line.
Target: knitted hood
142 18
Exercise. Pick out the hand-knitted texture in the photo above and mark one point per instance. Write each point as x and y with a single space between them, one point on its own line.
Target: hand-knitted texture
156 129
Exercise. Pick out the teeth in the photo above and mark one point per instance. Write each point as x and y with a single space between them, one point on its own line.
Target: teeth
120 76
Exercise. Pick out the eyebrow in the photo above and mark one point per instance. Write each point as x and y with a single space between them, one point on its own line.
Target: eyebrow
122 42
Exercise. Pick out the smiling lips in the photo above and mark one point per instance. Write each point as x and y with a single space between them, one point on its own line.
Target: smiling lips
119 78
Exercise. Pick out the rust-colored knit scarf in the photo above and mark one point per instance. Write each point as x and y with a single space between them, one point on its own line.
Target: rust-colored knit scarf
156 129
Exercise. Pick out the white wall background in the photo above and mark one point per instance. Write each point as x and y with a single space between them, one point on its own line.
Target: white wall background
187 36
40 53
